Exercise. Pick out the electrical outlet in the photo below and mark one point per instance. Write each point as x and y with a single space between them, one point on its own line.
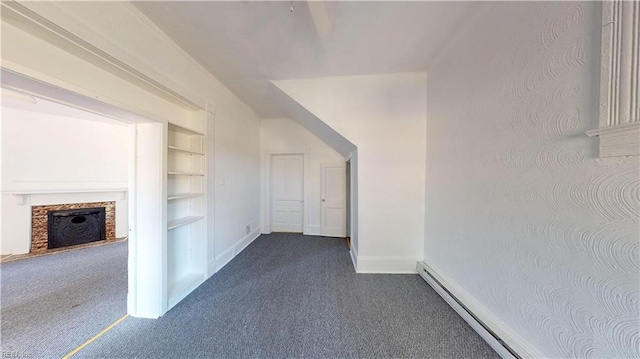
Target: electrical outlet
248 228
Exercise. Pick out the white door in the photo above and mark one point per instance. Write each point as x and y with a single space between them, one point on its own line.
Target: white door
334 198
287 193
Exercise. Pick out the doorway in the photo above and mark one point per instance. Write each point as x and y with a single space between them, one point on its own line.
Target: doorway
287 193
144 205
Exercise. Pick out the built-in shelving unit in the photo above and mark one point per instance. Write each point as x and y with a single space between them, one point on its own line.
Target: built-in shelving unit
186 208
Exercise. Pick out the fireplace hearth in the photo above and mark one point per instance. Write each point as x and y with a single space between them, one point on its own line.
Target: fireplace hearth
76 226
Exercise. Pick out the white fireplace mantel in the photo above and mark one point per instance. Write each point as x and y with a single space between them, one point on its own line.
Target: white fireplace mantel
22 196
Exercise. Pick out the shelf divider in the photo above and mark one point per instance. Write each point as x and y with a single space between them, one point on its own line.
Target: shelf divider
181 129
173 173
179 222
173 197
178 149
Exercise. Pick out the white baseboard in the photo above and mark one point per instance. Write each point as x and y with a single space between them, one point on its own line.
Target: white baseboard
225 257
266 229
390 265
491 329
222 259
312 231
246 241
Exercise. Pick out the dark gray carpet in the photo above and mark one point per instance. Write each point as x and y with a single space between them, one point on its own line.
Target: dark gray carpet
54 303
294 296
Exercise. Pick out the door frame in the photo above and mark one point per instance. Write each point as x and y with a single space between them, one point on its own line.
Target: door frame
347 222
268 154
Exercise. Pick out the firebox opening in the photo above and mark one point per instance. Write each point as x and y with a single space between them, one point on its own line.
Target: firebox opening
76 226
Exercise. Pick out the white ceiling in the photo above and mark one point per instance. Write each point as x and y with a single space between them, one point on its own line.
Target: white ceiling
247 44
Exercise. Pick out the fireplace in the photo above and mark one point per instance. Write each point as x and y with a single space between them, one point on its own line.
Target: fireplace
75 226
67 221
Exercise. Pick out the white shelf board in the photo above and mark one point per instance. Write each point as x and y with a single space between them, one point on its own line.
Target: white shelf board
185 173
188 131
178 149
172 197
179 222
182 286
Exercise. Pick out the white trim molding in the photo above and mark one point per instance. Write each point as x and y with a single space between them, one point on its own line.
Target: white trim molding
23 197
122 64
620 140
210 139
619 79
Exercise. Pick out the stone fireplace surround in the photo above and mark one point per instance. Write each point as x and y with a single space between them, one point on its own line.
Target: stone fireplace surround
39 222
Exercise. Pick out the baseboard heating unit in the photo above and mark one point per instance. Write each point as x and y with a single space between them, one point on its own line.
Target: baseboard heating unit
502 348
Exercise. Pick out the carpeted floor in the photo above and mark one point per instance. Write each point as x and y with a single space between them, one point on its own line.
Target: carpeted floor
295 296
52 304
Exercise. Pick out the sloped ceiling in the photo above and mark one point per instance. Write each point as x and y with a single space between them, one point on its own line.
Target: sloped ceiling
247 44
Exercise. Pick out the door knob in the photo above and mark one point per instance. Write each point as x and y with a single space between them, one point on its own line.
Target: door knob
323 200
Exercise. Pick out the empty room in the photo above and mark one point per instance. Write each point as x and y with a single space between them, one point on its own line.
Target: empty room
320 179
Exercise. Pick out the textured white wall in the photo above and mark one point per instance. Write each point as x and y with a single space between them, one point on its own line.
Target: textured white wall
286 133
46 152
384 116
522 217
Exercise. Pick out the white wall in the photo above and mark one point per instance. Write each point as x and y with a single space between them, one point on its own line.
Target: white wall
524 222
384 116
237 173
286 133
46 152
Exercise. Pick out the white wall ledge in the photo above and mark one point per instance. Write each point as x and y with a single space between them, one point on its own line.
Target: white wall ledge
22 196
57 191
619 140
